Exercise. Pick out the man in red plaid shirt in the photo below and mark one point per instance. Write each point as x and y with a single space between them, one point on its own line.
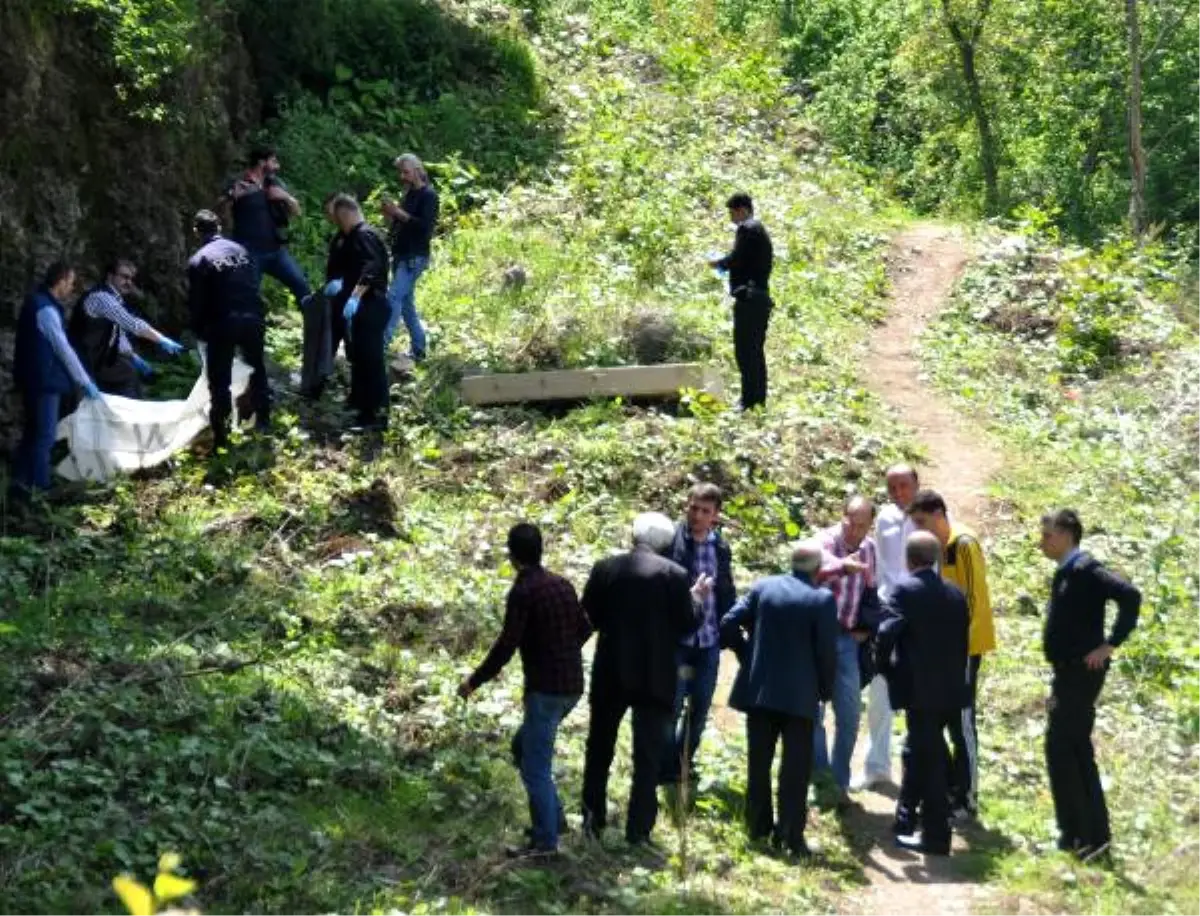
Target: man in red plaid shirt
544 621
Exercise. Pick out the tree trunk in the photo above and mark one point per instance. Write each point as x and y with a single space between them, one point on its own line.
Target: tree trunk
1137 152
967 42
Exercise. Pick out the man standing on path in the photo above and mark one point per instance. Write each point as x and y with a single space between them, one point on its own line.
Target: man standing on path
926 625
787 667
892 528
413 220
699 549
544 621
640 605
1077 650
261 207
849 571
45 369
226 313
964 565
749 266
99 330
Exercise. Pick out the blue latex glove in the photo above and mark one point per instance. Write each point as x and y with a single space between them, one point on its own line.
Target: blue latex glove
350 308
144 368
333 287
170 347
91 392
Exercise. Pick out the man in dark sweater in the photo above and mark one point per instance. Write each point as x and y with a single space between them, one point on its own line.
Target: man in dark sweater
640 606
1077 650
749 266
412 223
700 549
543 620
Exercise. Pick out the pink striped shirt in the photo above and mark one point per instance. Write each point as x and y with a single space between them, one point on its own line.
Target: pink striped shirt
847 588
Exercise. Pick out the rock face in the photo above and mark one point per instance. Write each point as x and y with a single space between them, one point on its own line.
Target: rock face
89 170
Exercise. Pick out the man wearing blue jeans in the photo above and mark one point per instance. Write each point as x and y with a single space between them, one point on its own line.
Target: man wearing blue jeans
544 621
700 549
413 221
849 570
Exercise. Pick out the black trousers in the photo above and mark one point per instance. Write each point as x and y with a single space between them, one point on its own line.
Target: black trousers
925 762
764 729
118 377
650 724
964 761
244 334
750 318
368 366
1079 804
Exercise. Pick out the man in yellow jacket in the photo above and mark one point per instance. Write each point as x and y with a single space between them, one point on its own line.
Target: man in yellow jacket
964 565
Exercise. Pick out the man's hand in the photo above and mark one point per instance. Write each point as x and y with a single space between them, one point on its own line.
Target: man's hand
859 635
852 565
703 587
1098 656
465 689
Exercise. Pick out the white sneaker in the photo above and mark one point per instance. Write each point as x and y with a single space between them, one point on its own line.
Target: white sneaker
865 783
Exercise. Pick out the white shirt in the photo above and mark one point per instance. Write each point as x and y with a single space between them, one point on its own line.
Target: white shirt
892 528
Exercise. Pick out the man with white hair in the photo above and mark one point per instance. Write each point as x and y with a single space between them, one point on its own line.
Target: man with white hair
640 606
785 633
413 220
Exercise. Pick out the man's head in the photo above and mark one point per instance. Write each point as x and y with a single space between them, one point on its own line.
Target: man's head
921 551
120 275
263 157
525 545
327 206
1061 533
346 212
206 224
703 509
928 512
740 207
806 558
412 173
902 485
59 279
857 520
654 531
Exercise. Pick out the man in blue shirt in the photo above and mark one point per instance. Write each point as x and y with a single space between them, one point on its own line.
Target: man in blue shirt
699 548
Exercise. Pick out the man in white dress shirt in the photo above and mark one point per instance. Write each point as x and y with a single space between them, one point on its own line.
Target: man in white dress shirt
892 528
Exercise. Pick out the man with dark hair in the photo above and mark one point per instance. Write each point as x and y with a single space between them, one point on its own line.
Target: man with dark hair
45 369
227 314
749 267
702 551
640 606
962 564
544 621
99 329
784 632
922 648
361 297
261 208
1077 650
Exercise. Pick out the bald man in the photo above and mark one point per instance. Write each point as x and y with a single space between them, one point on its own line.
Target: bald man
892 528
849 570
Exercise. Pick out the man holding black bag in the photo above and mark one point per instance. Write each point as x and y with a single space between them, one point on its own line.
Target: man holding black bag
749 266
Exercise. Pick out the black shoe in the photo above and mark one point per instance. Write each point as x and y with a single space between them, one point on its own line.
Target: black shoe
919 844
1096 854
903 827
800 850
529 851
562 827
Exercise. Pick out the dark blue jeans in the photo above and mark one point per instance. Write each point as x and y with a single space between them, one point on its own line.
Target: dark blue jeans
700 686
31 464
533 752
280 265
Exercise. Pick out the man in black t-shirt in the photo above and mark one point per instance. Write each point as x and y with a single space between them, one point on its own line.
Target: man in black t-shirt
261 207
412 223
749 266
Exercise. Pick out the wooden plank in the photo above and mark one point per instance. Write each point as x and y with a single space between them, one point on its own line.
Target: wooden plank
576 384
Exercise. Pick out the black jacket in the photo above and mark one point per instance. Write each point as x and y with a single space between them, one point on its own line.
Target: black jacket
641 606
222 284
683 552
361 258
922 644
750 262
1075 617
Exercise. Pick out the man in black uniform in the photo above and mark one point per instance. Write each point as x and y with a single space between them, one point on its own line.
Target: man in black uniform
749 267
1075 647
226 313
925 625
361 298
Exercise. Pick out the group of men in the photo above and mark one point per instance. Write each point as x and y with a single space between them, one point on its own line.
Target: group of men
367 291
895 603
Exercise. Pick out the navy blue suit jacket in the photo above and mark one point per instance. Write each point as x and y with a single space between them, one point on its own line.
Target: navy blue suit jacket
784 631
